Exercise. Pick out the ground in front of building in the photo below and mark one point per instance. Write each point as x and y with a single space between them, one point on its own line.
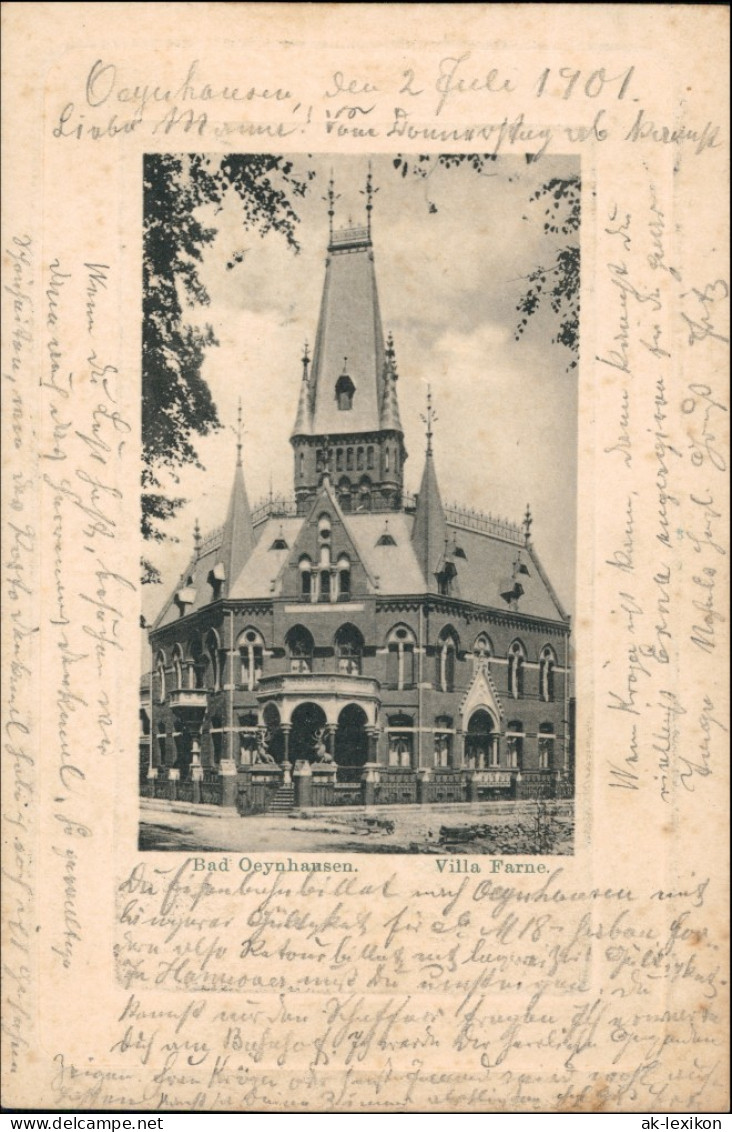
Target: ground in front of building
526 828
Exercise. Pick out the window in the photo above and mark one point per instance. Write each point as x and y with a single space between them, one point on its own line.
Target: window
213 649
515 743
339 459
386 459
349 650
344 392
305 567
370 456
401 740
482 650
400 660
160 677
547 664
324 586
319 460
251 653
178 666
349 459
199 664
364 494
443 741
445 657
343 569
516 659
359 459
161 743
302 463
344 493
324 528
546 746
300 648
445 579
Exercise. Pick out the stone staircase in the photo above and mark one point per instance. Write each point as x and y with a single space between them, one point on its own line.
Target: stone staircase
283 801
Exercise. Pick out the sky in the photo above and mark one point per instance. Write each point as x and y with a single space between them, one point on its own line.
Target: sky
452 252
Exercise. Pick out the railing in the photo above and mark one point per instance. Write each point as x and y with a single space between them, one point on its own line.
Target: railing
471 520
466 518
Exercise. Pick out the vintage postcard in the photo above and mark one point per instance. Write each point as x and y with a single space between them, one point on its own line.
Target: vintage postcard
365 515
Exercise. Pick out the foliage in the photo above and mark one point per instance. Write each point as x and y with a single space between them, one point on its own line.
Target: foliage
560 283
176 401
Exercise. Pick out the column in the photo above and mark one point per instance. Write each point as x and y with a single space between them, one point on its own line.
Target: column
458 759
302 777
372 734
286 728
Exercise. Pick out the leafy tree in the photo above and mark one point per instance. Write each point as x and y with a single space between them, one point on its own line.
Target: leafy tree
176 401
556 284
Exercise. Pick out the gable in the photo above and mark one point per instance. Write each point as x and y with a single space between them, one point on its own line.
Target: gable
482 693
323 552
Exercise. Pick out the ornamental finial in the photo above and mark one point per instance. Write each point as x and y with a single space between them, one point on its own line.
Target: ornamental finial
527 525
429 419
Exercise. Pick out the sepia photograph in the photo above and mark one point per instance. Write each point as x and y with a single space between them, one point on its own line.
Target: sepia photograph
359 498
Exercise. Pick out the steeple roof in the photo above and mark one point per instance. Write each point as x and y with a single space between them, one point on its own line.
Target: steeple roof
350 338
390 405
237 540
302 420
429 533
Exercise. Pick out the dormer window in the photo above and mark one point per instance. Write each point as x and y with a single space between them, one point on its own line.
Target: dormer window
345 390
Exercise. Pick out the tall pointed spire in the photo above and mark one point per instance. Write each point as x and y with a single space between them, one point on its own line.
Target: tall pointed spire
390 404
237 541
302 421
429 533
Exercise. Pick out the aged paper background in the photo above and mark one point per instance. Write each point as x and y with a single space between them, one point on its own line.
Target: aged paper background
600 985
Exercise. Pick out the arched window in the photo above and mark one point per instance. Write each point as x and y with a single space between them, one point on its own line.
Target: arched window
547 664
482 650
386 459
401 644
349 650
445 657
359 459
401 740
214 653
516 661
364 494
370 456
546 746
515 743
339 459
349 459
160 677
344 392
300 649
343 569
305 567
443 741
251 655
344 493
178 666
302 463
200 661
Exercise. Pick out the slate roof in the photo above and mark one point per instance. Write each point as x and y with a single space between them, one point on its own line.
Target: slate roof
349 327
481 575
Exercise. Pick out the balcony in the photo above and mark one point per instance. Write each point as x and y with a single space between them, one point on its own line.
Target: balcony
189 699
311 684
